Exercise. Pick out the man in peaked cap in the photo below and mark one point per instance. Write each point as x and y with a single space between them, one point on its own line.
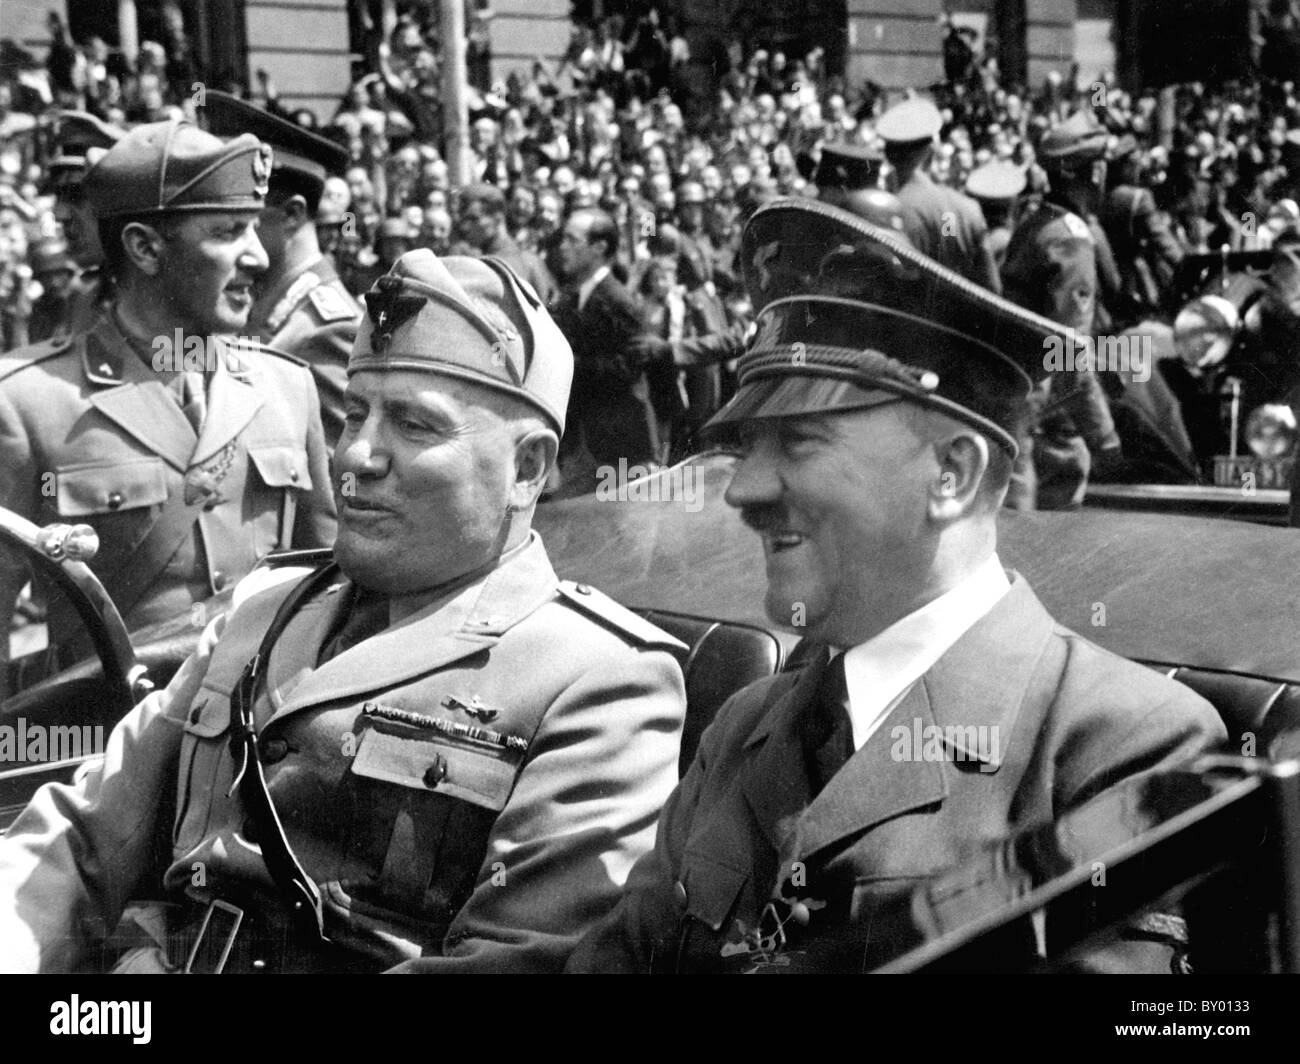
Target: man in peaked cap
940 221
462 755
940 705
1058 263
192 453
996 186
77 136
301 306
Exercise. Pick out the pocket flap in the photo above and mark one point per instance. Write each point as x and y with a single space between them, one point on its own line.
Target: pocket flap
110 487
711 889
481 777
209 716
281 465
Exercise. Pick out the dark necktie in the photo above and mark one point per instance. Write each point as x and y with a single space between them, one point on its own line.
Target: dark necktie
827 732
194 399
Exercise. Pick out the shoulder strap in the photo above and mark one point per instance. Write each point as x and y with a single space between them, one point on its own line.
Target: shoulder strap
16 361
604 610
297 889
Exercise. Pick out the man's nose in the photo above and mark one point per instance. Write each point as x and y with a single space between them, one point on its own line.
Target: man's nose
755 480
363 454
254 258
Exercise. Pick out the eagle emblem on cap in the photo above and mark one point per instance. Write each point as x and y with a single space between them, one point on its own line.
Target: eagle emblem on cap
262 169
389 310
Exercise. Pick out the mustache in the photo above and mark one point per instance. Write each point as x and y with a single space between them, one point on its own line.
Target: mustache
764 517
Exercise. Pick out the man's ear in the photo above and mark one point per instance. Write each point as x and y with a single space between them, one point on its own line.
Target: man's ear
143 245
962 460
535 454
295 211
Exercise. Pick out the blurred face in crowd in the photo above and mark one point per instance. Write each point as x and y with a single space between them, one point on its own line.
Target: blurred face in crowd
656 160
436 199
206 269
432 464
80 230
576 256
359 186
483 134
522 205
336 197
549 214
711 179
435 231
55 282
662 277
563 180
479 224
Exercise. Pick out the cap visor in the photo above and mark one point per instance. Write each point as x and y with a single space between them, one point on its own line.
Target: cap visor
793 397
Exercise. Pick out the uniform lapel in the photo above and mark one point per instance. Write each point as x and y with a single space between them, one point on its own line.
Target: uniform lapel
983 681
233 401
467 621
129 393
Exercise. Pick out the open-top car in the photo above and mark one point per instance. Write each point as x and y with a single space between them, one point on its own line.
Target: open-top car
1209 602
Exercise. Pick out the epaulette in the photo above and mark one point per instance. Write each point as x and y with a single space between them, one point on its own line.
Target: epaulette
604 610
32 355
269 350
331 305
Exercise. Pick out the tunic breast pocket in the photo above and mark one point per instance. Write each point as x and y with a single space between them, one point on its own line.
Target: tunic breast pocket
423 809
114 497
205 769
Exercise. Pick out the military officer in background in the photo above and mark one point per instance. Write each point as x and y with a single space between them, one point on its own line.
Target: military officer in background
78 135
1057 264
190 453
873 467
996 186
301 306
940 221
466 755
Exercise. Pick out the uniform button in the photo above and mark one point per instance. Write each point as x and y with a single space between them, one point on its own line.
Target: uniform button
582 589
293 475
220 580
115 501
679 892
436 773
273 750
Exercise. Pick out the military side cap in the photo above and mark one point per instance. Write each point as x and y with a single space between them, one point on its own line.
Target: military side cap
1078 138
848 166
161 167
468 318
852 315
77 135
999 181
911 121
294 149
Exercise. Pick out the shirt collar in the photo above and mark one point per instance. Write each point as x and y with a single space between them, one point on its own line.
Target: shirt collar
879 671
589 285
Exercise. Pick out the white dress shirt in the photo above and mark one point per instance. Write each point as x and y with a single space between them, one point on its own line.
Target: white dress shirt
589 285
880 671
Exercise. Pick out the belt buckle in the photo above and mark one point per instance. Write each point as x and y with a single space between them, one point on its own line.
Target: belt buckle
218 942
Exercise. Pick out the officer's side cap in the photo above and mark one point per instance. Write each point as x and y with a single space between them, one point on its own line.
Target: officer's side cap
468 318
164 167
295 148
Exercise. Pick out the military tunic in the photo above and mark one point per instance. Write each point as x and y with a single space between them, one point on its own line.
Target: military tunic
314 317
90 434
949 227
428 845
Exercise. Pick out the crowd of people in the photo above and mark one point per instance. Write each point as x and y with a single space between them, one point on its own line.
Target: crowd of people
612 128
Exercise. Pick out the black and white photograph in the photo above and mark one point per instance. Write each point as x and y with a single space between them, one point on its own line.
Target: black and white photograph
532 487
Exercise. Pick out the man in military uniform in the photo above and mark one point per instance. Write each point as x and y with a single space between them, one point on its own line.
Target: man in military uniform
301 307
996 186
191 454
77 136
940 705
940 221
465 754
1057 264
